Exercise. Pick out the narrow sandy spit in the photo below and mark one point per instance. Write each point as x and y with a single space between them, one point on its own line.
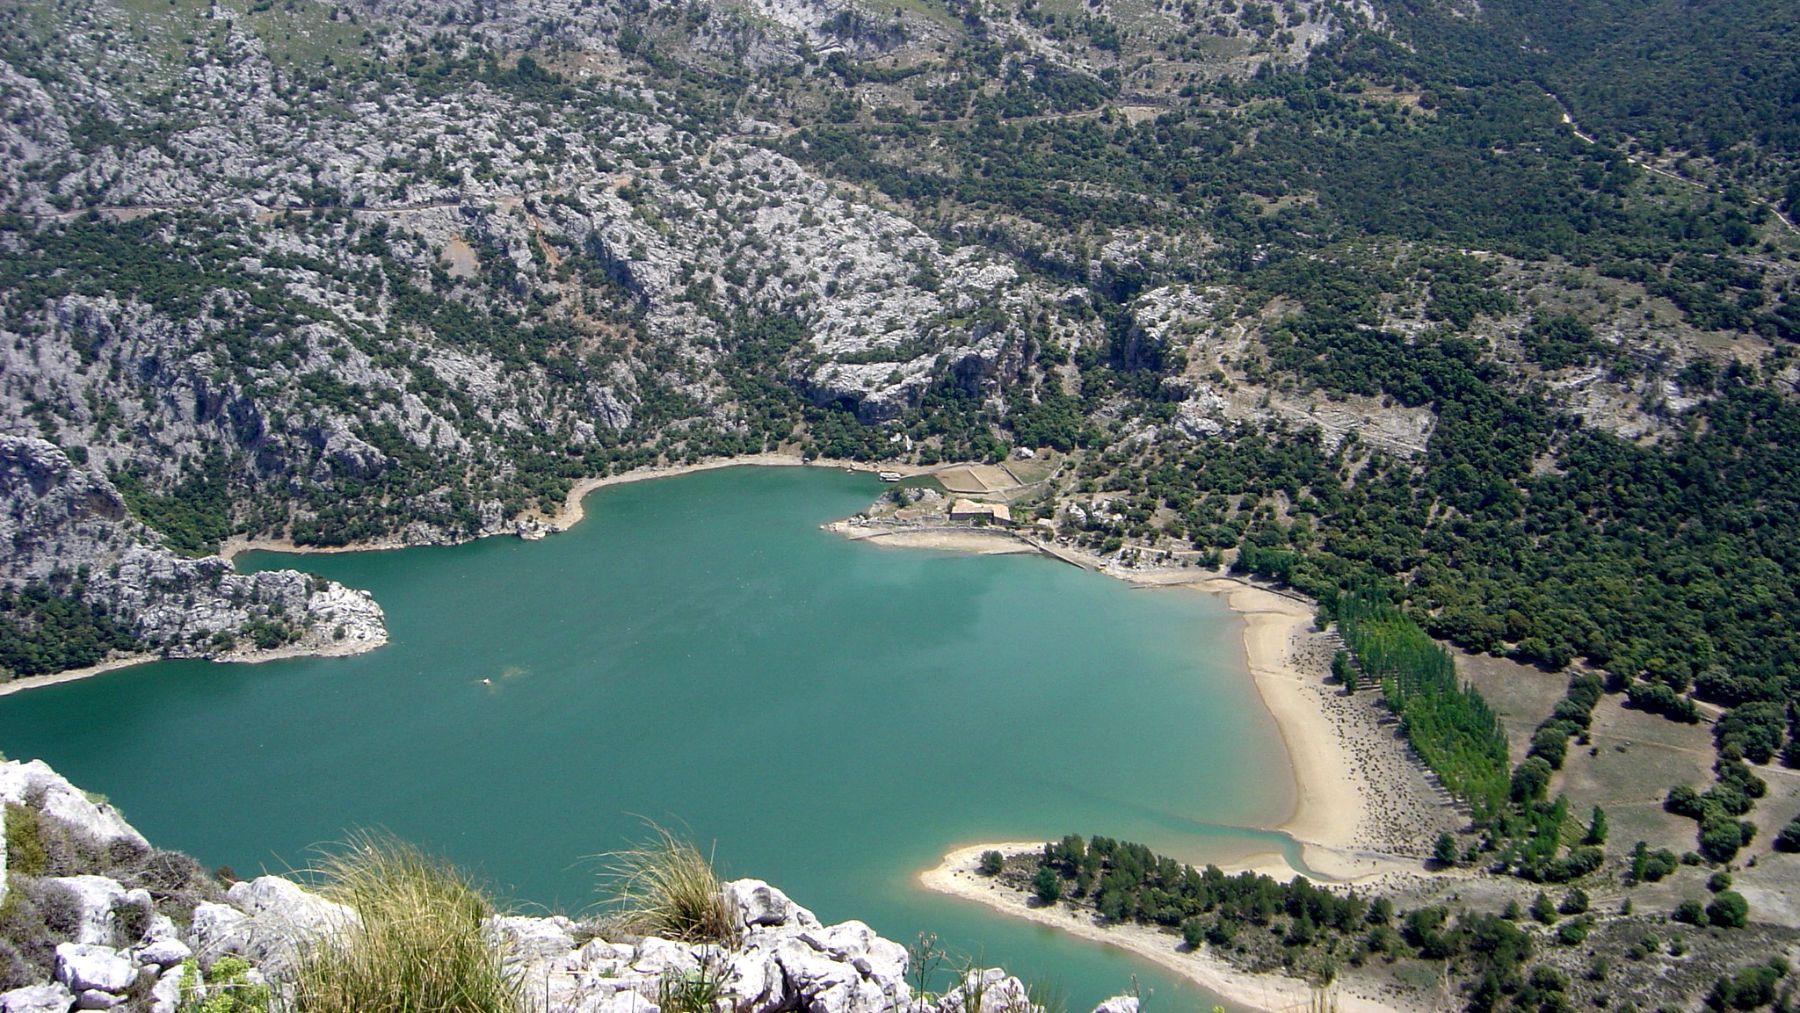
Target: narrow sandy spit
958 877
28 682
976 541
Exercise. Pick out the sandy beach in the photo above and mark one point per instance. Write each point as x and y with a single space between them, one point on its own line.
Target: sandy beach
978 541
24 683
957 876
1364 811
1363 808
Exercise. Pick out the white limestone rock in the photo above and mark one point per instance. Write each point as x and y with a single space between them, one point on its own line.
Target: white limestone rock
267 921
52 997
219 929
989 990
163 953
624 1001
165 997
23 783
532 939
84 966
759 906
755 976
282 903
655 957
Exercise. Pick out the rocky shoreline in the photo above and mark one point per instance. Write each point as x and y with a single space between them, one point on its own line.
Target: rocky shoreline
335 621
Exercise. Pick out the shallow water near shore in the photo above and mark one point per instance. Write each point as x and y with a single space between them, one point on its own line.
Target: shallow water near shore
828 715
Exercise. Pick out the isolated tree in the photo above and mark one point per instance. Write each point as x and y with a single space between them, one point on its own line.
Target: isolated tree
1789 837
1574 902
1444 852
1047 884
1596 832
1542 909
991 863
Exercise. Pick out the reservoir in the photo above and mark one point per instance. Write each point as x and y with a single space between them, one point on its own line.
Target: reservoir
828 715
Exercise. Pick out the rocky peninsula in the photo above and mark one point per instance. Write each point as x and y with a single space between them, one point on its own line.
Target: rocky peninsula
68 528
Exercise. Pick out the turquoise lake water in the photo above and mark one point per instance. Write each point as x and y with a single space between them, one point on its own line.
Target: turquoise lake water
830 716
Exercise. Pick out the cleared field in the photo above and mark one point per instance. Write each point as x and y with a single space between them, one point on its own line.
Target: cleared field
1521 695
1004 480
1632 760
977 480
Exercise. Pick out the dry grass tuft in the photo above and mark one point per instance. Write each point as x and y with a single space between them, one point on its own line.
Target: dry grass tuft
418 946
666 887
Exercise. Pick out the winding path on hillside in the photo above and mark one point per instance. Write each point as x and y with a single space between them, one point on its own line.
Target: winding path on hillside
1568 119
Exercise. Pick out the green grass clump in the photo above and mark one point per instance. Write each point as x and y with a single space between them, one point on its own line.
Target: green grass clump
418 947
228 989
26 854
666 887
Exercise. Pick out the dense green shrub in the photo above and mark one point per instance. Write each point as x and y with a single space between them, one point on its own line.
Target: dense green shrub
1789 838
1728 910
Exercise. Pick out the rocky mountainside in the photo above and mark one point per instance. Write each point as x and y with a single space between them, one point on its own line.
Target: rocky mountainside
97 919
405 272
